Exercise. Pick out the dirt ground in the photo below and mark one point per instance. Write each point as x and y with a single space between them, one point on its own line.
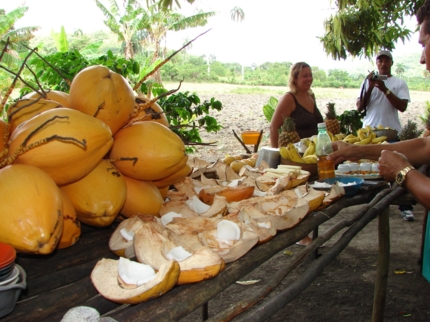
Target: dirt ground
344 291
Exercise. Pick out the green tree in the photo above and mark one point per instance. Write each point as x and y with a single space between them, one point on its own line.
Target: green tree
361 28
400 69
16 36
125 22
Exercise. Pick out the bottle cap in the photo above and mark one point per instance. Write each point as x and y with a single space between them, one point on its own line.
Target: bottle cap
321 125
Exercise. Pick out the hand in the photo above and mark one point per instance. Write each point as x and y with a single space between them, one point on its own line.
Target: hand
379 84
390 163
343 151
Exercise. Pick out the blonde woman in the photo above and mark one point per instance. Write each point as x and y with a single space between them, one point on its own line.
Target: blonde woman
299 103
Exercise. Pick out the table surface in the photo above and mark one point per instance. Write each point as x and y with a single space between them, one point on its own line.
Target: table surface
61 281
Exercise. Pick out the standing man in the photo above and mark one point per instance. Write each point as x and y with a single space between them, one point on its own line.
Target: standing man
381 100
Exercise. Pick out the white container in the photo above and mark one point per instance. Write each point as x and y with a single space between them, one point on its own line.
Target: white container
375 167
365 168
353 167
344 168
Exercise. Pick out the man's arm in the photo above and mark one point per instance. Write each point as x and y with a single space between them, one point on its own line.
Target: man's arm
398 103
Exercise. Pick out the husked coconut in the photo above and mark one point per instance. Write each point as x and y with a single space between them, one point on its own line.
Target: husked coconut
154 245
105 279
120 243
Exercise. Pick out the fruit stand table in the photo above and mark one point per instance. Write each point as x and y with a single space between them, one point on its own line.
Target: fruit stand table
61 281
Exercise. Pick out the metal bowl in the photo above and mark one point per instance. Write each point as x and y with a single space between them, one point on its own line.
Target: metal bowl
389 133
9 294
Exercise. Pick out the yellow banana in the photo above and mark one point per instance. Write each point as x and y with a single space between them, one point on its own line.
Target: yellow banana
364 142
379 139
330 135
310 159
284 152
294 154
350 136
310 150
306 141
361 134
380 127
340 136
351 140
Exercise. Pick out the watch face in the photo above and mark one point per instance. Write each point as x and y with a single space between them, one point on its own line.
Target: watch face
399 178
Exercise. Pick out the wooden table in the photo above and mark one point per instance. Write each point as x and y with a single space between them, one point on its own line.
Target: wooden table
61 281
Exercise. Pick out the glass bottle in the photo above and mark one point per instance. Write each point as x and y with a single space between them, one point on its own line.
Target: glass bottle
324 148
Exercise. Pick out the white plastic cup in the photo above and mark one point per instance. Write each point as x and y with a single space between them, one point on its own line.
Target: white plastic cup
344 169
365 168
353 168
375 167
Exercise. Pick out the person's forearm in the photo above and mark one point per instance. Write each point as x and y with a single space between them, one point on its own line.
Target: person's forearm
419 186
398 103
416 150
274 135
361 102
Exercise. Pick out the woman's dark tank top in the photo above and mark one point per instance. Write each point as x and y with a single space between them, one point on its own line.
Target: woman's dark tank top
306 122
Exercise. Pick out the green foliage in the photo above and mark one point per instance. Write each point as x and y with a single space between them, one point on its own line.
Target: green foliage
350 121
361 28
186 115
270 108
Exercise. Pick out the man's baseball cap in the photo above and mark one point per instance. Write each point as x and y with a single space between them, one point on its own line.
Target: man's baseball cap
384 53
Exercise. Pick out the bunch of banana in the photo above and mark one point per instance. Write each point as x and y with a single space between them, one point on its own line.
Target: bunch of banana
364 136
291 153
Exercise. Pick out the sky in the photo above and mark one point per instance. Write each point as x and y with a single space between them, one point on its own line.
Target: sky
272 31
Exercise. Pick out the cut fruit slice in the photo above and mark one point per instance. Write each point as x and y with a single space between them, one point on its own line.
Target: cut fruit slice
105 279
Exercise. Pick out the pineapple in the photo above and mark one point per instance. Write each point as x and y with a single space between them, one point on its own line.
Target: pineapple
409 131
288 134
331 122
425 118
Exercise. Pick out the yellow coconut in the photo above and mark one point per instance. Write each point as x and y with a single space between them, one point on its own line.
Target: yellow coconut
150 151
72 226
99 196
176 177
3 139
76 143
152 113
58 96
143 198
24 109
104 94
31 217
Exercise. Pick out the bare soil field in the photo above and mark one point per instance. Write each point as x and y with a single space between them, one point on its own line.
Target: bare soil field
344 291
243 112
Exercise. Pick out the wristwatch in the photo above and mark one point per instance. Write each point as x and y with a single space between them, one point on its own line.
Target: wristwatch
401 176
388 92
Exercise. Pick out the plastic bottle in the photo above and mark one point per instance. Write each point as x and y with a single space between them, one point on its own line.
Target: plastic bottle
324 148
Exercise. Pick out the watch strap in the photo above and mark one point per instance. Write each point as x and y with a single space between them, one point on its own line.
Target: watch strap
403 174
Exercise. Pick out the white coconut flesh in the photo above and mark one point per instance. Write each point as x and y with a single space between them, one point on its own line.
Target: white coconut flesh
197 205
134 273
227 230
168 217
265 225
178 254
234 183
259 193
127 235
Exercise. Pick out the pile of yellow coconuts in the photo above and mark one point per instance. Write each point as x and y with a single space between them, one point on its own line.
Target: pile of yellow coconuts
83 157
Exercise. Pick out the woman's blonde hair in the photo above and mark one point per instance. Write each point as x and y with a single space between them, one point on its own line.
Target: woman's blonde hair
295 71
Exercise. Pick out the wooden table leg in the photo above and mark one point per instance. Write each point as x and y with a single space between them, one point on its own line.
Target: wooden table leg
205 311
382 268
